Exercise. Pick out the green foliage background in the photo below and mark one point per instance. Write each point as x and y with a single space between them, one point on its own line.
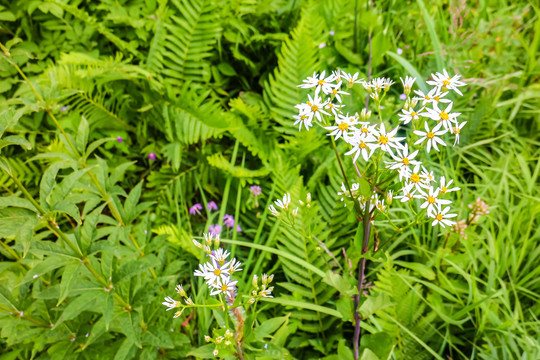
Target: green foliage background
210 87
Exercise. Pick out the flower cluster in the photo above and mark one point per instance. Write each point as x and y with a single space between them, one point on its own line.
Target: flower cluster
264 290
431 121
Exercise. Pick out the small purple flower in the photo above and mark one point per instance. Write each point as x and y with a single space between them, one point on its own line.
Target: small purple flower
238 228
403 97
119 138
152 156
322 45
64 108
399 51
211 206
214 229
228 220
195 209
332 33
255 190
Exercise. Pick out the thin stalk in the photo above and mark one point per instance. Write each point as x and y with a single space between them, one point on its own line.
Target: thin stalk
21 315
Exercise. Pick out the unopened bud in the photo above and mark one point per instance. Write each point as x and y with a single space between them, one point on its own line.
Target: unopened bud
197 244
252 300
228 333
207 338
270 278
180 290
255 281
264 278
295 212
216 241
414 102
216 352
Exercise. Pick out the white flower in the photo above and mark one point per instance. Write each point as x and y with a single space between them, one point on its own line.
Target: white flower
444 81
343 127
407 84
379 204
345 192
402 159
266 292
445 116
427 176
363 144
180 290
273 210
351 79
336 92
302 119
413 176
409 115
223 285
319 82
334 108
445 187
220 255
432 200
216 352
431 136
456 129
433 96
171 303
387 140
312 108
212 271
408 193
441 217
285 203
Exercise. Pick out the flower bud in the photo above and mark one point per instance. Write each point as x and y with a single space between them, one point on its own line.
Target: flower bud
197 244
270 278
180 290
255 281
219 339
252 300
414 102
389 196
216 241
264 278
207 338
216 352
295 212
228 333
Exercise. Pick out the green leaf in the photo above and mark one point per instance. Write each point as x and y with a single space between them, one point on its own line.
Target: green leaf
411 70
7 298
369 355
82 135
375 303
380 343
49 264
126 351
344 352
421 269
48 180
269 326
15 201
303 305
365 188
85 301
203 352
69 279
131 203
338 282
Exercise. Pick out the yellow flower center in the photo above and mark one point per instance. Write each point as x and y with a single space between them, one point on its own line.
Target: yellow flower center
307 102
409 195
364 130
362 145
414 113
330 105
426 97
314 108
217 272
380 207
438 217
456 130
415 178
321 82
431 199
383 139
430 135
436 98
443 115
406 161
303 117
224 288
444 189
334 91
446 82
343 126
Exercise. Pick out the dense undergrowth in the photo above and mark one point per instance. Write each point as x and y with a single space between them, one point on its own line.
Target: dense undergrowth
116 117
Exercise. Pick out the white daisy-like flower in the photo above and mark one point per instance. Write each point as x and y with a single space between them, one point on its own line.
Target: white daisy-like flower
413 176
386 141
431 200
427 176
212 271
234 265
285 203
303 119
409 115
312 108
266 292
378 84
456 129
220 255
336 92
445 186
345 125
380 204
171 303
408 190
337 75
223 285
402 159
444 116
434 96
345 192
319 82
407 84
180 290
362 144
431 136
444 81
273 210
441 217
334 108
351 79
